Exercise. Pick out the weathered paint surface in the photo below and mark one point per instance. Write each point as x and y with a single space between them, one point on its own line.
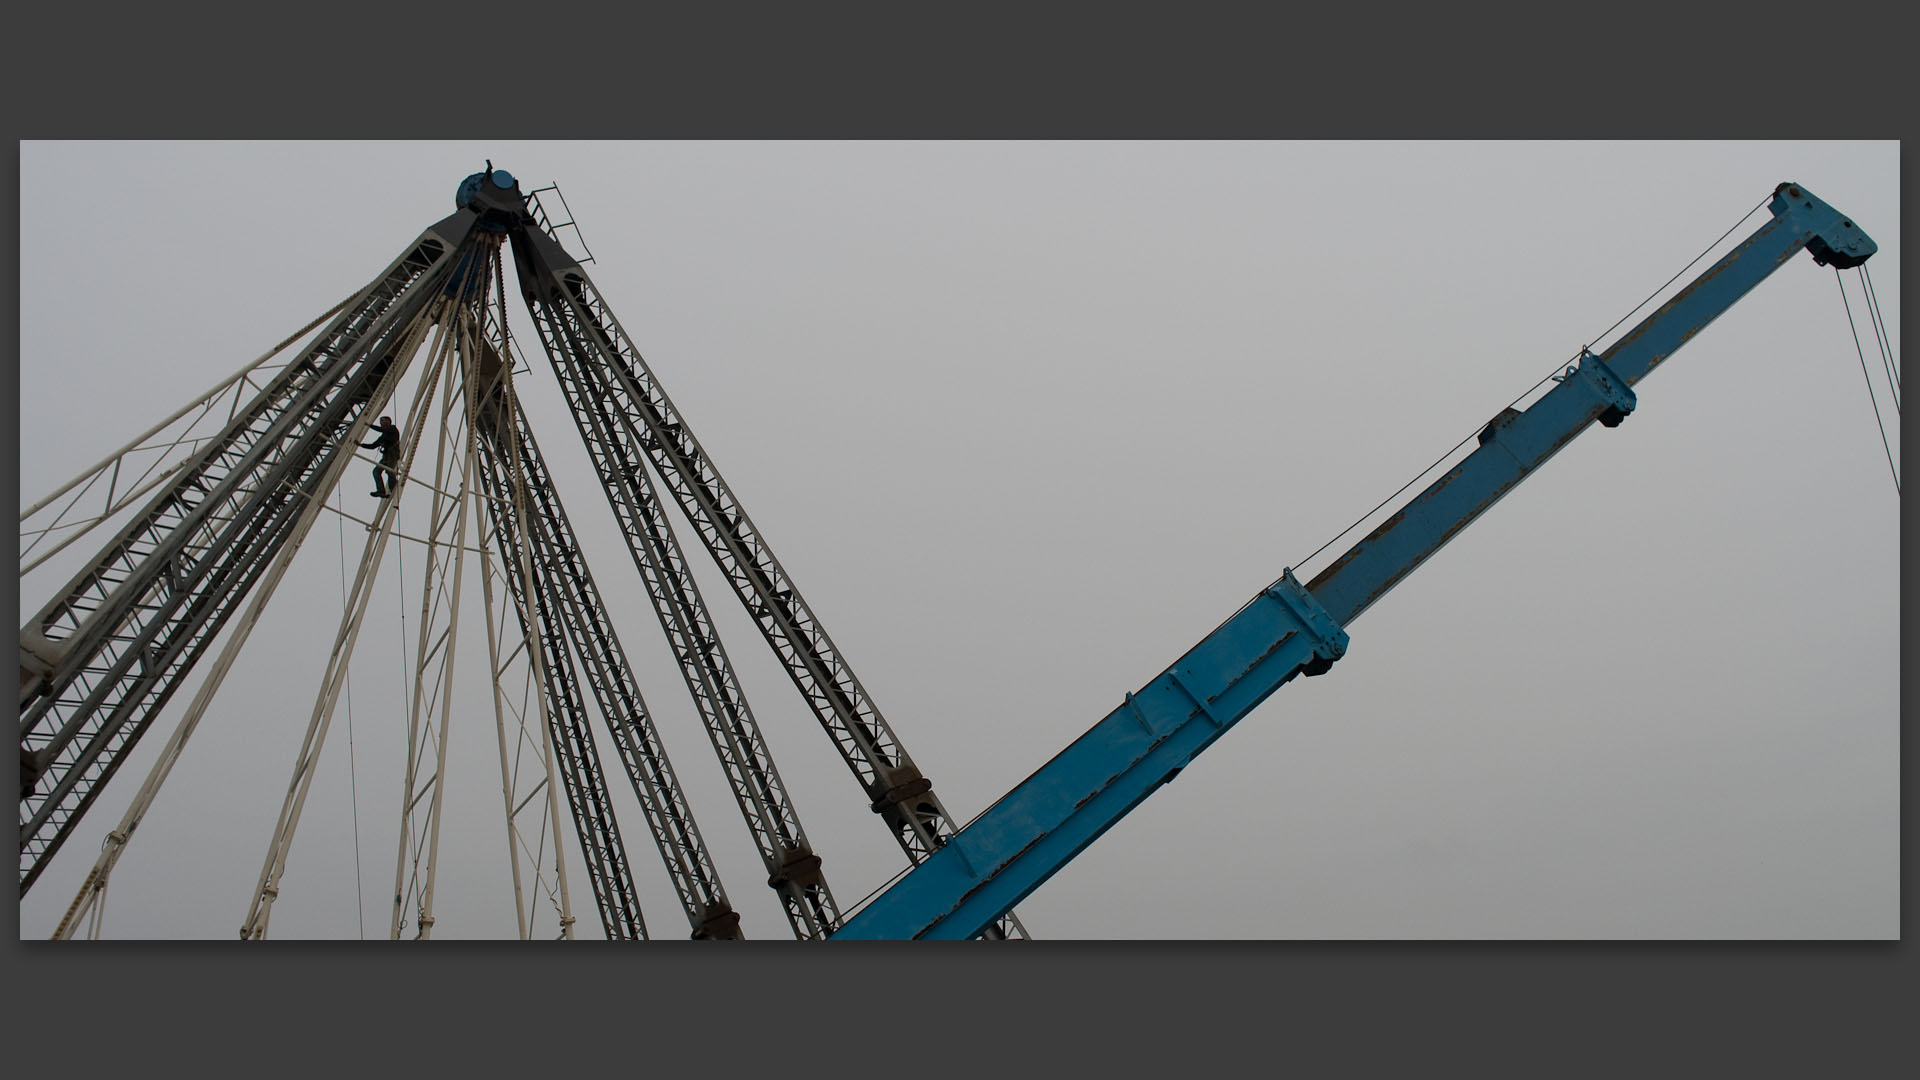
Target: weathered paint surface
1019 842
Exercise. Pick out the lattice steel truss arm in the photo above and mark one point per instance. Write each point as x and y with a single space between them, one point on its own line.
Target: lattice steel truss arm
101 659
581 773
507 440
88 901
306 761
793 869
580 331
130 474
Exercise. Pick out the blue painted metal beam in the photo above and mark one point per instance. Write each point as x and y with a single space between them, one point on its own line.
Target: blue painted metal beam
1800 221
1290 630
1514 444
1020 841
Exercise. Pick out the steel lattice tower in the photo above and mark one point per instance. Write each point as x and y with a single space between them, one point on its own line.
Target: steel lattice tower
219 525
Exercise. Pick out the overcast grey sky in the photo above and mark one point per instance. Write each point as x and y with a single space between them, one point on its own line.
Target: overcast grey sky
1025 421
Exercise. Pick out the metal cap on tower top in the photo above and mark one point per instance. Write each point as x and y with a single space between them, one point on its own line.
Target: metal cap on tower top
494 195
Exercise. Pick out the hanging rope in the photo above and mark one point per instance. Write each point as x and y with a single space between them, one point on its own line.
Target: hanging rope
400 564
353 772
1871 396
1885 365
1880 333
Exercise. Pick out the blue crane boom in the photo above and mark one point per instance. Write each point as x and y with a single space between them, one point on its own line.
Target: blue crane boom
1291 629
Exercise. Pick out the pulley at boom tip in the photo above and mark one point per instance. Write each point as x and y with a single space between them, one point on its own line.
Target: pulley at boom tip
1833 240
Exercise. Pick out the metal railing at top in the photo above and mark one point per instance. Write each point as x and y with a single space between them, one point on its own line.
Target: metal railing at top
545 218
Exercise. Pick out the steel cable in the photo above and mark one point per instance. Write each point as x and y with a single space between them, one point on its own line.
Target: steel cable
1880 332
1421 475
1477 428
1886 368
1871 396
1684 269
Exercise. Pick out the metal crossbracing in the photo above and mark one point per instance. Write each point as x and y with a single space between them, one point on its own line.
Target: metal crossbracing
223 520
620 406
102 658
211 511
563 582
793 869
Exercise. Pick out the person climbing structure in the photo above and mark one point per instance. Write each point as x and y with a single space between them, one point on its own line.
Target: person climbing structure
388 443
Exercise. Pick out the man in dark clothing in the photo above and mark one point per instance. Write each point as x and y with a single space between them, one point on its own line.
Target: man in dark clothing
388 443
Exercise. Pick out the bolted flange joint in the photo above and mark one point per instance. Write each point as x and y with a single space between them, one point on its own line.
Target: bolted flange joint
800 867
718 922
897 785
1616 398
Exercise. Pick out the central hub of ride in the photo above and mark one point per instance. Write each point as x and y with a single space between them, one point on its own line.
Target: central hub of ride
495 196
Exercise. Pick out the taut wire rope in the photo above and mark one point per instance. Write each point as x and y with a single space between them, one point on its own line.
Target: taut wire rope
1871 396
1684 269
1880 332
1885 366
1556 370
